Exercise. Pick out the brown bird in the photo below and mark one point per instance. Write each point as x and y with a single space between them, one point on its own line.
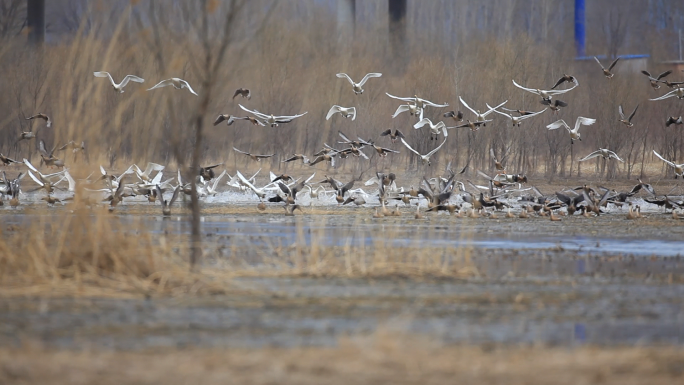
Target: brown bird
606 72
627 121
242 92
555 105
394 135
289 209
457 116
48 157
46 118
301 157
261 206
563 79
50 200
673 120
26 135
254 157
474 126
324 157
207 173
497 163
655 81
6 161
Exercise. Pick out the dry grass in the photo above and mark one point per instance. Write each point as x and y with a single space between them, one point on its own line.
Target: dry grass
384 357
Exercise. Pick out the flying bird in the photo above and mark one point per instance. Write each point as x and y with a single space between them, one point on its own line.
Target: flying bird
574 133
481 117
678 92
517 119
344 111
242 92
565 78
357 87
603 152
394 135
655 81
546 95
119 87
678 168
457 116
673 120
425 158
273 120
254 157
626 121
606 72
434 128
48 122
176 83
418 102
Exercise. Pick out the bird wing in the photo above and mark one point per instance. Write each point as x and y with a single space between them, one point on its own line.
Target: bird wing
614 155
509 116
523 117
386 132
664 74
621 112
491 109
345 76
131 78
466 105
647 74
663 159
583 121
404 99
599 63
409 147
187 85
241 152
423 122
176 191
429 154
558 92
353 113
633 112
41 148
254 112
667 95
558 124
103 74
289 118
333 110
245 181
431 104
160 195
400 109
219 119
592 155
559 82
613 63
38 181
526 89
368 76
161 84
151 167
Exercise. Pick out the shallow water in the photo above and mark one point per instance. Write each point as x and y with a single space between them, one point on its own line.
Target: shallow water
599 280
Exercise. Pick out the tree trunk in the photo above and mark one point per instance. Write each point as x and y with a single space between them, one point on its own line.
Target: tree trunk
35 18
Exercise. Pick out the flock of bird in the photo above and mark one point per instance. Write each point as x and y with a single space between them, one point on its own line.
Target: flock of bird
439 193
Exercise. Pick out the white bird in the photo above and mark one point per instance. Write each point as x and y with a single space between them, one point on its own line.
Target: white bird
273 120
546 95
411 108
678 168
678 92
357 86
209 188
434 128
604 152
119 87
426 157
176 83
481 117
574 133
146 175
260 192
418 102
344 111
517 119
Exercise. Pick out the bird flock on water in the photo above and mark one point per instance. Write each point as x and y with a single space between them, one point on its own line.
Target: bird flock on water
471 200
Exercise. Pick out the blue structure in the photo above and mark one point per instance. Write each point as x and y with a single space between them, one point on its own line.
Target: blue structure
580 34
